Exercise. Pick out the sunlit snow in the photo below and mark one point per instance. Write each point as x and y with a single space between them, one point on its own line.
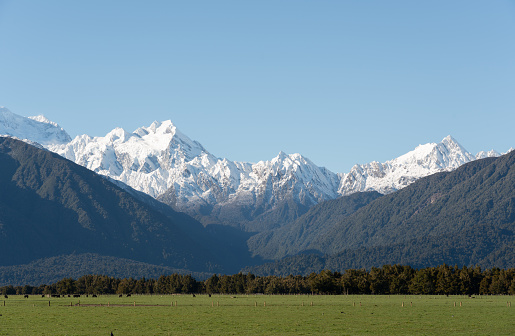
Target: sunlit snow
159 158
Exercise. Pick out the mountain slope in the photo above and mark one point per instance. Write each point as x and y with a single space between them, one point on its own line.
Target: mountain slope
161 161
297 235
164 163
485 246
479 193
50 206
433 216
53 269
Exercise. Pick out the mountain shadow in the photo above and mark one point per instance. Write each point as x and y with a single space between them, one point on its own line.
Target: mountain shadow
50 206
53 269
295 236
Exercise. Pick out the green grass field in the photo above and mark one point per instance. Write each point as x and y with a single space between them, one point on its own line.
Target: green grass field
248 315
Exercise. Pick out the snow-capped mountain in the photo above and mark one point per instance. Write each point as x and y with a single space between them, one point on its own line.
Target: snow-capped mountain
164 163
396 174
490 153
160 159
265 184
37 129
151 159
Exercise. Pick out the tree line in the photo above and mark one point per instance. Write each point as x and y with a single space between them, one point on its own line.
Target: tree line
389 279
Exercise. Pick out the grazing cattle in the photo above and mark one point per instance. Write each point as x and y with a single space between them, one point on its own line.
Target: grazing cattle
76 295
26 296
43 295
209 295
94 295
128 295
120 295
56 295
5 296
68 295
194 295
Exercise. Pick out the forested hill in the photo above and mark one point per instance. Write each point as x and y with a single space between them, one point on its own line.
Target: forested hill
465 217
298 234
50 206
53 269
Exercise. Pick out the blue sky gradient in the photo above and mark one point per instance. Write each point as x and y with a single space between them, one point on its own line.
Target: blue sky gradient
341 82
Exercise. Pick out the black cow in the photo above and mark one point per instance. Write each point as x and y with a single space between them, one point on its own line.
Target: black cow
76 295
128 295
94 295
26 296
120 295
5 296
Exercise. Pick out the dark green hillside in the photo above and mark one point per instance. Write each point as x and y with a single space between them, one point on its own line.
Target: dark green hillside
246 218
464 217
53 269
50 206
285 212
295 236
481 193
485 246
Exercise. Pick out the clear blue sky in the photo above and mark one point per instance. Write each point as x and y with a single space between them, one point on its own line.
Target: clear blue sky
341 82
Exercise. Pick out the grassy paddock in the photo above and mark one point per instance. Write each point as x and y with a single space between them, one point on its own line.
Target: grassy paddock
249 315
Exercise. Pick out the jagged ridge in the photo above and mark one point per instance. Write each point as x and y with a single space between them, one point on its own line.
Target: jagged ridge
164 163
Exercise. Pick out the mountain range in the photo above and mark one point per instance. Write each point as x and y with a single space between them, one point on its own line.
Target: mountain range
164 163
50 206
463 217
156 200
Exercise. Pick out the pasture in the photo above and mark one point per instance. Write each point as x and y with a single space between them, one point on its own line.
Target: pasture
257 315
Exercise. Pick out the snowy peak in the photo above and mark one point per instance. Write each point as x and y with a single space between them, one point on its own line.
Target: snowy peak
448 154
453 153
41 118
280 166
150 159
162 135
294 174
395 174
284 162
490 153
118 135
38 129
